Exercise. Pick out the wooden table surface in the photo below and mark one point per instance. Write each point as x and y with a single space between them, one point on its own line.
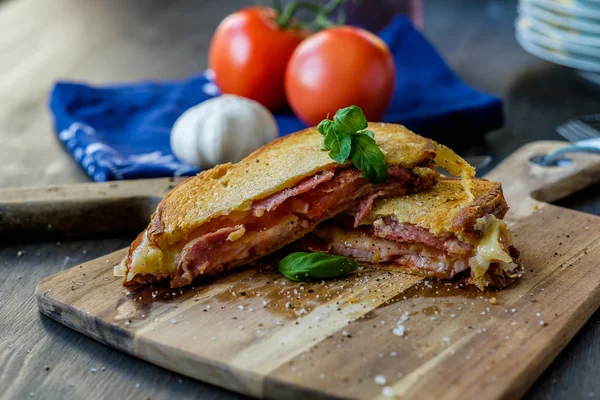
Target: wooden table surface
111 40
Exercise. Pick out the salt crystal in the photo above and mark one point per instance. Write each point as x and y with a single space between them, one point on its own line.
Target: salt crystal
380 380
537 314
387 391
513 310
241 307
446 339
173 321
399 331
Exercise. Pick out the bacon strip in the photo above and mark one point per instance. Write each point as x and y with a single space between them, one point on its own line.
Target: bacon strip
273 201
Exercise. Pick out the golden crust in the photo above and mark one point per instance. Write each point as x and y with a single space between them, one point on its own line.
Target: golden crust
276 166
444 208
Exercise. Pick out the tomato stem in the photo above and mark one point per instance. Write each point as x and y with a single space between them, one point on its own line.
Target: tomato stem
322 13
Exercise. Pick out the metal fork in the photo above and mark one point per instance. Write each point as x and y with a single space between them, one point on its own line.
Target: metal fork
580 128
584 137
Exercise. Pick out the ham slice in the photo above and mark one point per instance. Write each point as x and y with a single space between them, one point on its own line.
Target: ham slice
389 228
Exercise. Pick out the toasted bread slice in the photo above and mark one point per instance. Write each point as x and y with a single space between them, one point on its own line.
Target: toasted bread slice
443 232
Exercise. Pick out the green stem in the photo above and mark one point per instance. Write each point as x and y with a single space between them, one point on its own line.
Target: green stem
322 13
285 17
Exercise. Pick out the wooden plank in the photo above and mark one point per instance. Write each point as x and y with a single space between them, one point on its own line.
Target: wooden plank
254 332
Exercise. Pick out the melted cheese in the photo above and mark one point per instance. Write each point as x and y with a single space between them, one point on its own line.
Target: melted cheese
120 269
489 249
233 236
145 259
457 166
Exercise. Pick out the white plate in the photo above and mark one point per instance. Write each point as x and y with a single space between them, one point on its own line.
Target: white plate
553 43
584 63
559 33
579 8
578 24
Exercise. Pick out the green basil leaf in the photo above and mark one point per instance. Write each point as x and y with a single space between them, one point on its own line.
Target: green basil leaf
347 137
325 126
339 145
368 133
368 158
301 267
349 120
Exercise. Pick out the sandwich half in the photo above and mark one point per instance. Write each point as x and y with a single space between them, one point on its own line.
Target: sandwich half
235 213
443 232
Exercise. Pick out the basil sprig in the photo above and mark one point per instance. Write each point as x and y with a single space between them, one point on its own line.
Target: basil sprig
301 267
346 137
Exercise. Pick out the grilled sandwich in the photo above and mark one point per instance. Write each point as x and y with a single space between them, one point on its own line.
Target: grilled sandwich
443 232
235 213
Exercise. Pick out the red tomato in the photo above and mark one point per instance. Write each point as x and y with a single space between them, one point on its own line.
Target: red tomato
249 54
339 67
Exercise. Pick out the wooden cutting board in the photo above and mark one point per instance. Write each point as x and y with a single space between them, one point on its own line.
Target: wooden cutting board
254 332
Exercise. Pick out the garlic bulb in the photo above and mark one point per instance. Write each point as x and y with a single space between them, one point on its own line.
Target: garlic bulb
224 129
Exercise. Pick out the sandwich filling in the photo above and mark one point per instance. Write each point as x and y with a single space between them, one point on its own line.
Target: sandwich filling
489 261
271 223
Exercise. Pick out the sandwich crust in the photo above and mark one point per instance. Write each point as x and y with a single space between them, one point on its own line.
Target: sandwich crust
280 164
445 208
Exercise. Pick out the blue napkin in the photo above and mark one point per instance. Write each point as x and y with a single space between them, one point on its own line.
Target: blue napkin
122 131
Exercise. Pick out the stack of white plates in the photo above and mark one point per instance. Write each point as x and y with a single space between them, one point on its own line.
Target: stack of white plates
565 32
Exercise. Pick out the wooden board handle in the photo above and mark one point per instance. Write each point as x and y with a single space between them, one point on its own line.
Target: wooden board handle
80 209
528 186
